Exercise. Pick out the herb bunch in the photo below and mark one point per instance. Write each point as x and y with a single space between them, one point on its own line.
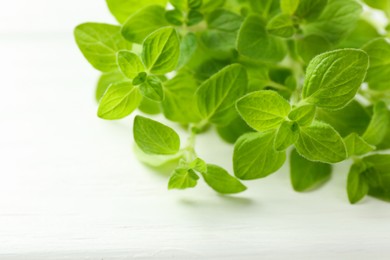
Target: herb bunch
306 77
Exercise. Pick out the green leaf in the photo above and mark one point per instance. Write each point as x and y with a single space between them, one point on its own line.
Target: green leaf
105 80
119 101
281 25
320 142
286 135
231 132
289 6
336 21
152 88
310 9
378 126
217 95
385 144
357 188
222 30
377 175
306 175
254 42
356 145
221 181
303 115
363 33
99 44
263 110
255 157
194 17
122 9
312 45
130 64
144 22
351 119
188 47
160 51
180 103
333 78
183 178
198 165
174 17
155 138
378 74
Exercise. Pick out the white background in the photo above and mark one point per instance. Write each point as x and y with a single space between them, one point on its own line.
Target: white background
70 187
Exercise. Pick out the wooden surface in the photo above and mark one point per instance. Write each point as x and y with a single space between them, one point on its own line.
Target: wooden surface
70 187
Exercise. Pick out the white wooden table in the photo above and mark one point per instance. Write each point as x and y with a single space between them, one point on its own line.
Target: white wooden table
70 187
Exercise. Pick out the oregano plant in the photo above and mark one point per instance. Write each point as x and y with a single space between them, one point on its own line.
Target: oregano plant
303 81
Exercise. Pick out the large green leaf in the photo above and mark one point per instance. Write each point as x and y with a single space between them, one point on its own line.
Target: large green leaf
333 78
161 50
144 22
255 157
217 95
122 9
99 44
320 142
155 138
119 101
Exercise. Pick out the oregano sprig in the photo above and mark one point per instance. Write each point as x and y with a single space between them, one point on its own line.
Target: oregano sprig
300 80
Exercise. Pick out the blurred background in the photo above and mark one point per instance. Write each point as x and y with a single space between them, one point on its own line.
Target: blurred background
70 187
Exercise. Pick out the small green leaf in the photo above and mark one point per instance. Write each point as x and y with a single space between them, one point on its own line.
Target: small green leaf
320 142
255 157
119 101
289 6
160 51
99 44
194 17
263 110
357 188
378 126
286 135
130 64
217 95
221 181
198 165
351 119
363 33
333 78
222 30
122 9
152 88
281 25
155 138
310 9
180 104
105 80
377 175
306 175
312 45
188 47
356 145
144 22
336 21
174 17
378 74
183 178
303 115
140 78
254 42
